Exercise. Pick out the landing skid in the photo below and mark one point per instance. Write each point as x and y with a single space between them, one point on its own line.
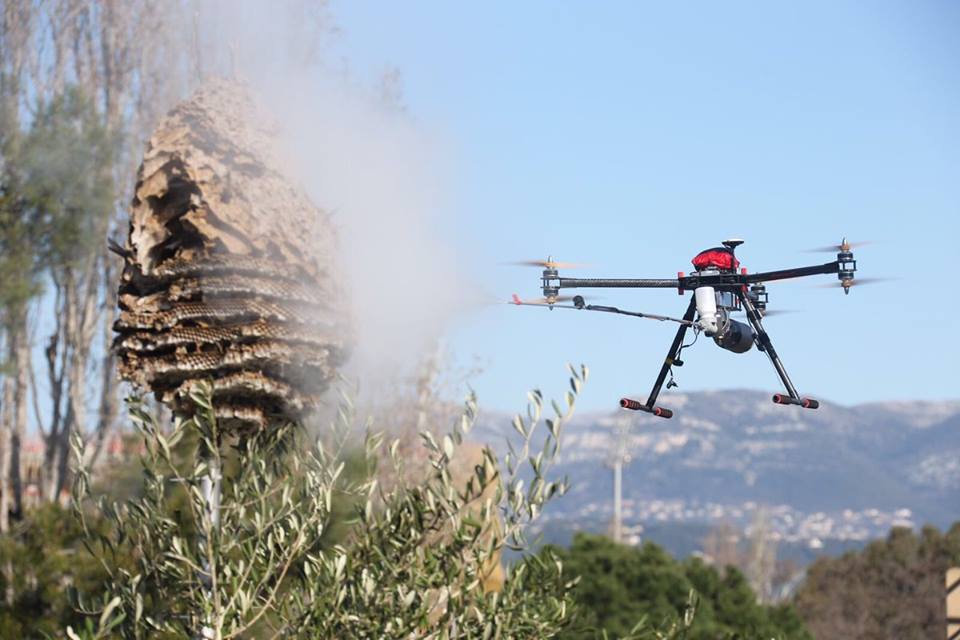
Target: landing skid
763 344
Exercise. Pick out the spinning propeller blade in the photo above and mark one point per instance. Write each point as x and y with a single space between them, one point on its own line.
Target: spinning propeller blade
846 284
547 264
776 312
836 248
515 299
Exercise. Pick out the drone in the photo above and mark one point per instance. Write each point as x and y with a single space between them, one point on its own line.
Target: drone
720 288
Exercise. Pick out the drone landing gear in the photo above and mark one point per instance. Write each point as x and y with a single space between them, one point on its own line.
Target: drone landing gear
635 405
672 358
765 345
806 403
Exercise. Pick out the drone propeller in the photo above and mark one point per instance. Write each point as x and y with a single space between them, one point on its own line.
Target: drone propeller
515 299
776 312
846 284
547 264
844 246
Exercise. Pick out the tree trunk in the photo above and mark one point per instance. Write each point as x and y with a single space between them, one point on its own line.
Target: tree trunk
128 58
6 427
107 413
59 359
76 338
14 417
22 355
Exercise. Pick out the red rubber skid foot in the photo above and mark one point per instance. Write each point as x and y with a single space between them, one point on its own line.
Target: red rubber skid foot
806 403
636 405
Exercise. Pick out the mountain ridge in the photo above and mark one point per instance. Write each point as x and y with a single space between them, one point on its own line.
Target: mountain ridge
854 470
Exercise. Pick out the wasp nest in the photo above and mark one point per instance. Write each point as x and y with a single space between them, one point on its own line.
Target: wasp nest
228 274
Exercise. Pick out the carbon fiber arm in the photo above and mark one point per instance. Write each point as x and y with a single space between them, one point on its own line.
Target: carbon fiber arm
799 272
620 283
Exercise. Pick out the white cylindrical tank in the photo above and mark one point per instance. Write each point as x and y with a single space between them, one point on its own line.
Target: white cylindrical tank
706 299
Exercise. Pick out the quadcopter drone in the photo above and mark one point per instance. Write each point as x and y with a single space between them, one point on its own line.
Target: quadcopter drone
720 288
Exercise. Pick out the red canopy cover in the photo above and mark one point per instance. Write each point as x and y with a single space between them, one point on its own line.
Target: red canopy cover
716 258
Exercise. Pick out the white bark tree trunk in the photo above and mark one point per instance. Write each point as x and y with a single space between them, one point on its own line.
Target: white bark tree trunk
20 391
6 428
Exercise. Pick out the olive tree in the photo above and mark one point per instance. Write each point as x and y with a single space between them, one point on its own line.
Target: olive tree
415 561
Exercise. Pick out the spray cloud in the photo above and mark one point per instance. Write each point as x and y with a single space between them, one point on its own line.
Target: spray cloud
359 156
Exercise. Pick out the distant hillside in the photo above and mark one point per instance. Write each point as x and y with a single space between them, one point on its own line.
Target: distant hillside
837 473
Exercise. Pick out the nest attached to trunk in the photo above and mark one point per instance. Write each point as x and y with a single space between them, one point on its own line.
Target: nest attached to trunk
229 270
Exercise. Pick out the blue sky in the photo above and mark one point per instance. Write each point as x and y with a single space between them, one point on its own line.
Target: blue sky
632 135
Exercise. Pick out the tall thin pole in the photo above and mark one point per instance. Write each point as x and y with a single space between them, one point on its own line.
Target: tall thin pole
618 500
210 489
618 458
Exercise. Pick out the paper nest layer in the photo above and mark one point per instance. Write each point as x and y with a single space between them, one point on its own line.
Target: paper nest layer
229 269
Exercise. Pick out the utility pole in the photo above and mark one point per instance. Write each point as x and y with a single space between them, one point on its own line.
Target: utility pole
618 500
763 556
618 457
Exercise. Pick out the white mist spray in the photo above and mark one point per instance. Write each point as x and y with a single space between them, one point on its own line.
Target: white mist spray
358 156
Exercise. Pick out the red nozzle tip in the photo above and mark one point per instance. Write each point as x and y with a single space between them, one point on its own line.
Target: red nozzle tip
628 403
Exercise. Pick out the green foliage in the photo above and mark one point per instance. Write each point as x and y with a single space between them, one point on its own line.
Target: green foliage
65 162
620 585
414 560
417 560
18 259
40 560
891 589
273 512
56 195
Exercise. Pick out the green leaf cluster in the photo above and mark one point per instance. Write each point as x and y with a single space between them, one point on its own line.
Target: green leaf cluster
894 588
620 585
56 193
419 559
65 163
41 560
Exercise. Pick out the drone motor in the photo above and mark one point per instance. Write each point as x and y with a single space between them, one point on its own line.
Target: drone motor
759 296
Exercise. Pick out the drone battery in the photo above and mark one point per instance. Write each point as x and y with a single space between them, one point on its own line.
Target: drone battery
727 300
